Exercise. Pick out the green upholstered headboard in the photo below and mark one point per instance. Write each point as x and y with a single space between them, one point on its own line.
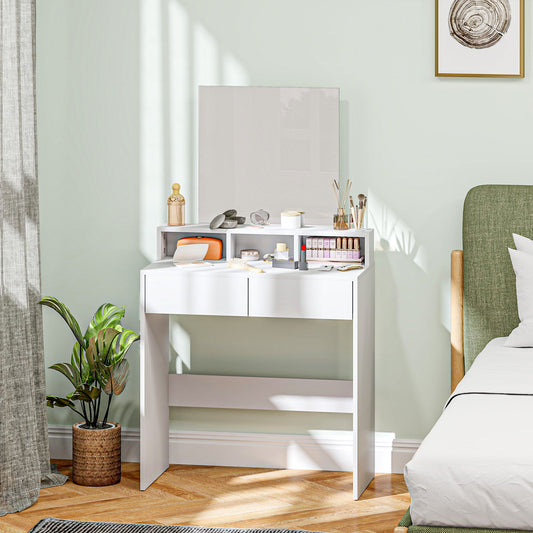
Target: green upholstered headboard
491 214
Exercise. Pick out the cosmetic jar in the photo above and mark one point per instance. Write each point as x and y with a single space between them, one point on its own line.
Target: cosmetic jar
291 219
250 255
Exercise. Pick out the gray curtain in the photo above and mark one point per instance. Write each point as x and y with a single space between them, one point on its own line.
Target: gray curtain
24 453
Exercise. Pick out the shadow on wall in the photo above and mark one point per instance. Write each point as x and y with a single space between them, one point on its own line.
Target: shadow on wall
406 318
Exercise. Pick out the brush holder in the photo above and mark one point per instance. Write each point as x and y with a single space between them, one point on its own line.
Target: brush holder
341 220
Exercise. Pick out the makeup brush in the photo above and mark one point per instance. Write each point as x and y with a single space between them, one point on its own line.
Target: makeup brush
361 212
352 209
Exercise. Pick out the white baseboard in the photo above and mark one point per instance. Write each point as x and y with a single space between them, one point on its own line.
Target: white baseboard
321 450
402 452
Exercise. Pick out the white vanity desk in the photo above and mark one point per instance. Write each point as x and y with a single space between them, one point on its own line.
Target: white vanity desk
279 293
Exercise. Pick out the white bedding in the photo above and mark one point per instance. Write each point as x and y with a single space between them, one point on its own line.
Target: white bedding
475 467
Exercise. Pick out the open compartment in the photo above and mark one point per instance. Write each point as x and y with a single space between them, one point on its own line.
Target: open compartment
334 248
169 239
265 243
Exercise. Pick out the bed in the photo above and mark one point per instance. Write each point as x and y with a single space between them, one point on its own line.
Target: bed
474 470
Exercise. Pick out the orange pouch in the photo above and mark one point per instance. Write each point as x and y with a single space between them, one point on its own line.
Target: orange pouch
214 252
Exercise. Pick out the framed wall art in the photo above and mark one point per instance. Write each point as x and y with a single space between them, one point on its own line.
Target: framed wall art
479 38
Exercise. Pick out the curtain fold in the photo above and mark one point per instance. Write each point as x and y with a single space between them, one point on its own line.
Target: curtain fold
24 452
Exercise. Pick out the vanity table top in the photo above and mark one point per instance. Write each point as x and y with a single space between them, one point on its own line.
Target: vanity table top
166 267
269 229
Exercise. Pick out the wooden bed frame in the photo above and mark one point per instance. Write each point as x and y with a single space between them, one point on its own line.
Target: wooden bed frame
456 319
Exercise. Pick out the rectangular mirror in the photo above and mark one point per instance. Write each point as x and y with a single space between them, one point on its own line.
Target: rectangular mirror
268 148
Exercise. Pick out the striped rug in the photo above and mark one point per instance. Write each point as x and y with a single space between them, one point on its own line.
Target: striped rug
55 525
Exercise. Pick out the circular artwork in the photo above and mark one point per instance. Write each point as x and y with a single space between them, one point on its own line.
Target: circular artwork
479 23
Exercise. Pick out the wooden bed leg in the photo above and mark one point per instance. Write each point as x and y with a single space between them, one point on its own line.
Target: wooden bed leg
401 530
456 322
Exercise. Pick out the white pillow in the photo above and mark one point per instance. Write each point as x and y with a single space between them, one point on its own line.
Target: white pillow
523 244
522 336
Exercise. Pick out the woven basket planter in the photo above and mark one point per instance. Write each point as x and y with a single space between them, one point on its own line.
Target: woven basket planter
96 455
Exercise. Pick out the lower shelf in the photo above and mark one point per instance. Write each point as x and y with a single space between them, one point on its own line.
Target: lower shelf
273 394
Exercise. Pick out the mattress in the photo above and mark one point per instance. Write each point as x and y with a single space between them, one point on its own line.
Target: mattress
475 467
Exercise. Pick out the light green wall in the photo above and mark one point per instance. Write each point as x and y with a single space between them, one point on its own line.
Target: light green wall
116 99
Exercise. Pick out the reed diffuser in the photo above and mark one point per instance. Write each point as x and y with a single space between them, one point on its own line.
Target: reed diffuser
341 220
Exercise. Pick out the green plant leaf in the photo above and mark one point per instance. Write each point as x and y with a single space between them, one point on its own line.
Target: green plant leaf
68 371
119 376
64 312
81 396
94 392
104 378
75 358
85 393
91 354
122 344
55 401
106 316
78 361
113 378
105 343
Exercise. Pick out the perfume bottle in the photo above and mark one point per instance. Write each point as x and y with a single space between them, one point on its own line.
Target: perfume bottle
176 207
282 252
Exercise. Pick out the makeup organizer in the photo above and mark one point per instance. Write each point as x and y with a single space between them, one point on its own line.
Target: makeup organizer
323 245
296 143
346 249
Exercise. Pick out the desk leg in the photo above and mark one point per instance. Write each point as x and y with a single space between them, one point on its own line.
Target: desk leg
154 397
363 382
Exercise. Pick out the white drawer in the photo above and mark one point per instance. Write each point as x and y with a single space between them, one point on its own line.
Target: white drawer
197 294
301 298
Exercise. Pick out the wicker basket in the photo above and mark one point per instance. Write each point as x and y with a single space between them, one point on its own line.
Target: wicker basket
96 455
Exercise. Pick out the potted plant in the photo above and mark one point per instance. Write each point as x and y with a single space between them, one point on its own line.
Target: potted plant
98 370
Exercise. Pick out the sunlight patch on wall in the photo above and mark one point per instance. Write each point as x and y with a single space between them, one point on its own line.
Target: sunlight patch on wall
207 71
233 73
180 101
206 57
151 151
177 55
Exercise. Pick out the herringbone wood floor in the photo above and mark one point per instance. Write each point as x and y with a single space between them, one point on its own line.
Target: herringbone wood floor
226 497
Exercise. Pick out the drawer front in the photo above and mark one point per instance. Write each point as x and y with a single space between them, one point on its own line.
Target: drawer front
197 295
293 298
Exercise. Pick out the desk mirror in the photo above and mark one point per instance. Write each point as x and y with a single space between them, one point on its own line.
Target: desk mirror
268 148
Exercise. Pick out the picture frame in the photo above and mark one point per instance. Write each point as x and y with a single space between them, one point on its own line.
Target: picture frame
479 38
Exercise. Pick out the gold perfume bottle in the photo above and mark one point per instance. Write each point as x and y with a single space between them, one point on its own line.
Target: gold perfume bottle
176 207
